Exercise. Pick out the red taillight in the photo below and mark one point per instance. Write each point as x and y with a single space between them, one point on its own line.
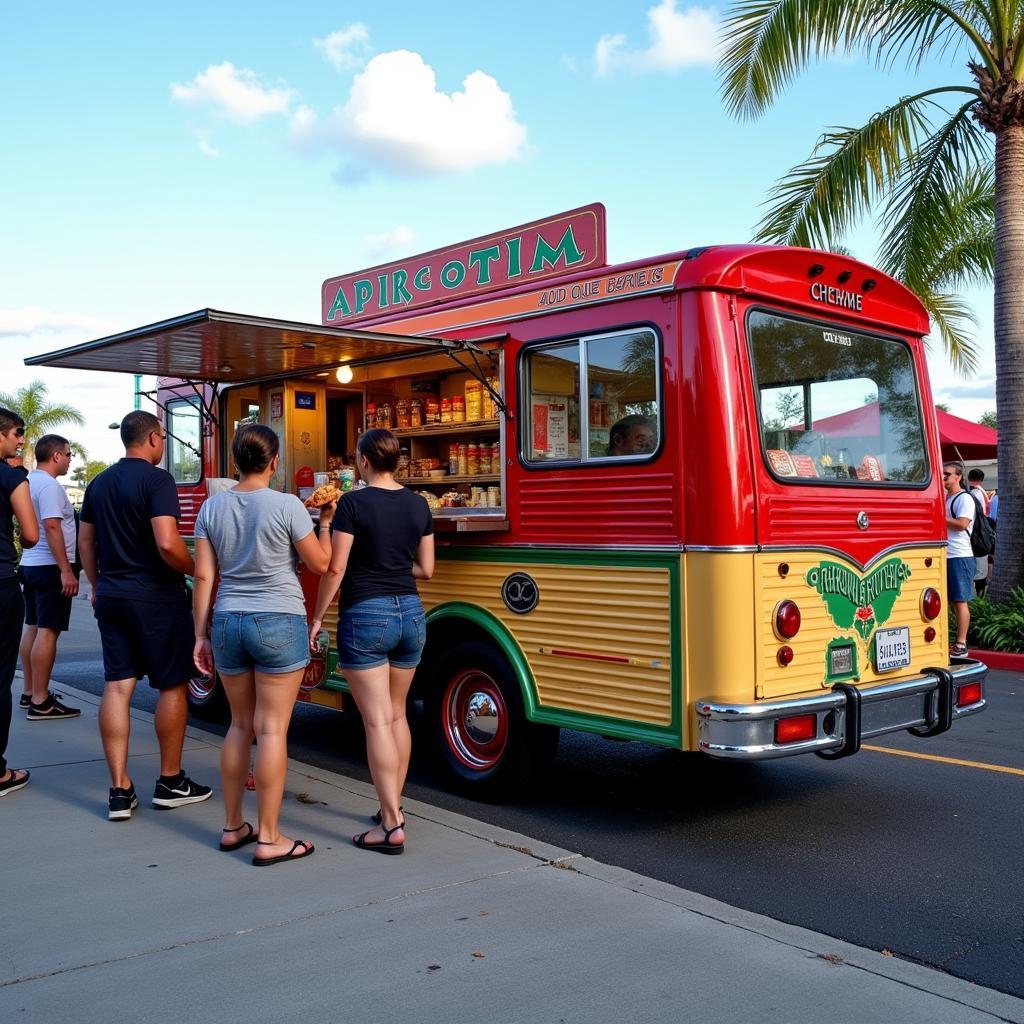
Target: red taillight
795 729
787 620
785 656
929 634
931 604
968 694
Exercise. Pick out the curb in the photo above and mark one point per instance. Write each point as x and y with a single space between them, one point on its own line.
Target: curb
999 660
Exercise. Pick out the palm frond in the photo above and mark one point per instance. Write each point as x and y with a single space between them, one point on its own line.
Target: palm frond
818 200
940 192
955 323
771 41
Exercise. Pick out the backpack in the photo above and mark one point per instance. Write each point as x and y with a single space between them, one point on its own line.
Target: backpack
983 533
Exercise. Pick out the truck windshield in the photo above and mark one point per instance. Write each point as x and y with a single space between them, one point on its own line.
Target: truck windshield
835 406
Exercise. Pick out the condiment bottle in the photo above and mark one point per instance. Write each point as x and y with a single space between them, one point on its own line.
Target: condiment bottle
416 412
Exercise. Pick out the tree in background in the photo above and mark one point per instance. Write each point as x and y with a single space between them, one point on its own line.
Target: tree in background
988 419
40 416
945 166
83 474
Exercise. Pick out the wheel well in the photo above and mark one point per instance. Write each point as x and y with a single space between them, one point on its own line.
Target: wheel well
441 636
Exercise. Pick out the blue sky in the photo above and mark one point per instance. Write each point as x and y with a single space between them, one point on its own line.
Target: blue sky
165 157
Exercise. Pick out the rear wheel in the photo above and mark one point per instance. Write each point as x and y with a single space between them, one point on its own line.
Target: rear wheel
478 722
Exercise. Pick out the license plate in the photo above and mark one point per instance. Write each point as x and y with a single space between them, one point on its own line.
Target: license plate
892 649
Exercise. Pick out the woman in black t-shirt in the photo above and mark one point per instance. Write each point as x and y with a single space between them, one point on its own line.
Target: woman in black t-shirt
14 502
383 542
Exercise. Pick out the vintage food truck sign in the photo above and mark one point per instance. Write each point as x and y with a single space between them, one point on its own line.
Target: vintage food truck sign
531 252
860 602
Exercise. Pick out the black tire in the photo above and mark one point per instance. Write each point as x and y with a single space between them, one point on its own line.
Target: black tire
207 700
504 751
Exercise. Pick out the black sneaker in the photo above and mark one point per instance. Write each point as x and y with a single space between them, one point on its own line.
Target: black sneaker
121 803
180 791
26 699
51 710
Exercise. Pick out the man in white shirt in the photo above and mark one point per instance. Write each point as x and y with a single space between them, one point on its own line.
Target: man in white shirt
48 579
960 560
976 483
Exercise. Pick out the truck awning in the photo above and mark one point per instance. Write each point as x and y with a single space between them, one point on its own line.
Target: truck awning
210 345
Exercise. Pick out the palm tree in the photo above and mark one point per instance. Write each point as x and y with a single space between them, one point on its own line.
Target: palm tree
40 416
946 166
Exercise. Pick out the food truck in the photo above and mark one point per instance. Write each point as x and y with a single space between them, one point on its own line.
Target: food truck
653 520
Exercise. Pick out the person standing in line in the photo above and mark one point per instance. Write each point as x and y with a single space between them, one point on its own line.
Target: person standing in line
960 560
383 542
48 579
15 503
254 536
976 483
136 562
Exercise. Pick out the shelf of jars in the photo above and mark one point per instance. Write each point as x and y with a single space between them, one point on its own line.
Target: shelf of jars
444 481
436 429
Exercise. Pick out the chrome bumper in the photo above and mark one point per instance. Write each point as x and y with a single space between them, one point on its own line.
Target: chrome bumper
926 705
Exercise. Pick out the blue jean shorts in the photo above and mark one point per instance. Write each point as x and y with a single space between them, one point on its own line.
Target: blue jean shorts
960 578
382 631
269 642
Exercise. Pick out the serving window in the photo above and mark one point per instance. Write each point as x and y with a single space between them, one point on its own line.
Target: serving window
835 406
620 418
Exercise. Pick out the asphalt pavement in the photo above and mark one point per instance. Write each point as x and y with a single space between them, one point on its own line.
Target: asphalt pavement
147 921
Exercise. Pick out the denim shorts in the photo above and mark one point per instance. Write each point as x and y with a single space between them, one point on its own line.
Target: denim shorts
381 631
960 578
270 642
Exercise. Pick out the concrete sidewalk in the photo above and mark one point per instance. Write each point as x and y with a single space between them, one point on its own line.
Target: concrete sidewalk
146 921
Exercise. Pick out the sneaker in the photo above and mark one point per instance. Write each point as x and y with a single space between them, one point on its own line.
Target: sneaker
51 710
26 699
14 783
180 791
958 650
121 803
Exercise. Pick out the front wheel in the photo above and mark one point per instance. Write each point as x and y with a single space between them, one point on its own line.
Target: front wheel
478 723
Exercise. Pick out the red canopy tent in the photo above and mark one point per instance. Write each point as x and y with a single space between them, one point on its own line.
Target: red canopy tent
959 438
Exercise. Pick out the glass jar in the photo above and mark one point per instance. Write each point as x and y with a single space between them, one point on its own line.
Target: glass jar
463 460
453 458
485 459
416 412
473 460
402 414
403 462
432 409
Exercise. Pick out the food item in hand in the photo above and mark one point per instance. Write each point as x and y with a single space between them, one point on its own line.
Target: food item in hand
323 495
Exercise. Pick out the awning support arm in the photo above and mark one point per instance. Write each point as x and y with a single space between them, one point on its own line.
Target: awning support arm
174 437
476 371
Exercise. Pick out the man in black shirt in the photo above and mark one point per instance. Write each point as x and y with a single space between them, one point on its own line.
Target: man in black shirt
135 559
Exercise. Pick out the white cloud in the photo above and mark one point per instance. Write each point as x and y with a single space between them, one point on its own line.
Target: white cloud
397 120
206 147
346 48
398 241
235 93
29 320
678 39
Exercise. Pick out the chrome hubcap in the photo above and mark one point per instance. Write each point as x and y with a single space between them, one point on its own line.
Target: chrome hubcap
482 719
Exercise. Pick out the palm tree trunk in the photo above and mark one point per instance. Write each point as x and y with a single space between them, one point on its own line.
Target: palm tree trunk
1008 571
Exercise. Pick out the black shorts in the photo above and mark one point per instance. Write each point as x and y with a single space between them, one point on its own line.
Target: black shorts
147 638
45 604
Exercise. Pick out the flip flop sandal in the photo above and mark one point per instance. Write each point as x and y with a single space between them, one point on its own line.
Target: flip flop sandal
307 849
378 818
386 847
250 837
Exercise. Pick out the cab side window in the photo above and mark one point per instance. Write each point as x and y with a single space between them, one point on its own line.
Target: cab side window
183 421
620 416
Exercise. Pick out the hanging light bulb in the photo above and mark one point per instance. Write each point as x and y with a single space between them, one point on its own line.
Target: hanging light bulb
344 374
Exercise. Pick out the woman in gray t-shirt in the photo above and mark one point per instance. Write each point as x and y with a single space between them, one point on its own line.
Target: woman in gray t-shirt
254 536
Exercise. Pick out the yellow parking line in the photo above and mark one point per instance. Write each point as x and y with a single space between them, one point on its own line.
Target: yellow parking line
947 760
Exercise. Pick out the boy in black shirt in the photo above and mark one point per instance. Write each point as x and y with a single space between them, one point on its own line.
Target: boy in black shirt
135 559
